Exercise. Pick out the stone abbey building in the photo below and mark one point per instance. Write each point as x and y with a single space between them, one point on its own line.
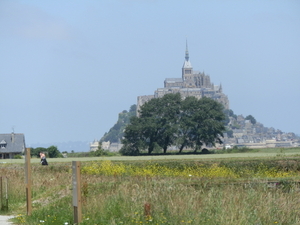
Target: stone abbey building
243 132
192 83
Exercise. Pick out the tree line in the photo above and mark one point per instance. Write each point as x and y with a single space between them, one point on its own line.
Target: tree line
51 152
173 121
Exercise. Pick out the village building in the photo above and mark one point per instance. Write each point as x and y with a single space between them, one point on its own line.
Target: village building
11 145
94 146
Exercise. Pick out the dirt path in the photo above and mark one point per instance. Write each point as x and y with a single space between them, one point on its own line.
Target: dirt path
4 220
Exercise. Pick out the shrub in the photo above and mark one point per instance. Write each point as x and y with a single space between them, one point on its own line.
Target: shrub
205 151
17 157
128 149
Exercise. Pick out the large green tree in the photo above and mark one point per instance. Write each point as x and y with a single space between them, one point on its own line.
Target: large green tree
163 114
169 120
186 123
208 123
134 137
201 122
156 125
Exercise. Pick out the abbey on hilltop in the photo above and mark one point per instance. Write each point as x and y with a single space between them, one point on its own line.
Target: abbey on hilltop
192 83
241 131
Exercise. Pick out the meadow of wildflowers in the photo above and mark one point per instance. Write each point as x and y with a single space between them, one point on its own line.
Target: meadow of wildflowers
214 170
161 192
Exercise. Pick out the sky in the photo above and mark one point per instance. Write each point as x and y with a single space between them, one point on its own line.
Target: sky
69 67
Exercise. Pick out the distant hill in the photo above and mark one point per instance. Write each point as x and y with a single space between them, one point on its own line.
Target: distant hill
115 134
239 129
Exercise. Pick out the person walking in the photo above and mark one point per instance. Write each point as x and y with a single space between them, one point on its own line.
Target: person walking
43 159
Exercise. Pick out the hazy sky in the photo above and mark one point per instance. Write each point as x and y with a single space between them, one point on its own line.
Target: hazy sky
69 67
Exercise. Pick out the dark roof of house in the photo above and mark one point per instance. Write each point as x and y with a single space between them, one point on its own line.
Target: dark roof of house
12 143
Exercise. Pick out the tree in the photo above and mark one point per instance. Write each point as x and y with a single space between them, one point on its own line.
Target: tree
169 120
53 152
206 123
168 110
155 126
134 140
184 133
36 151
229 113
201 122
148 124
251 118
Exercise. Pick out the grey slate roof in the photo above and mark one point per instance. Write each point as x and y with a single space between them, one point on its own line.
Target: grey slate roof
12 143
173 80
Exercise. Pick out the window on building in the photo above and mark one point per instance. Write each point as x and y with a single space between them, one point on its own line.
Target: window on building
3 144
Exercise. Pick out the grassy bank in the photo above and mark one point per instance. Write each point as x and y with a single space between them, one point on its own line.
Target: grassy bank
185 191
220 154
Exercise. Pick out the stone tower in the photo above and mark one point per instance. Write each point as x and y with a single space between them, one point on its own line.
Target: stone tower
187 69
192 83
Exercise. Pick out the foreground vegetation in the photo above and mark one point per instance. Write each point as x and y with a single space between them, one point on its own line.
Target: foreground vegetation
211 191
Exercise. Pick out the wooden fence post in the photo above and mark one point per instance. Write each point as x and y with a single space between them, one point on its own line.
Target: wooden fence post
76 192
28 181
1 196
4 197
6 193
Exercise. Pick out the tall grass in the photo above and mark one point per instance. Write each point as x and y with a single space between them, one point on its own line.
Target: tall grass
175 192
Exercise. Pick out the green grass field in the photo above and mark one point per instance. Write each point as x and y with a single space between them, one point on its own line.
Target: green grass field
262 153
238 188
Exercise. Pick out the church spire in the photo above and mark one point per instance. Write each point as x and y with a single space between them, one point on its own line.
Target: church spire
186 52
187 63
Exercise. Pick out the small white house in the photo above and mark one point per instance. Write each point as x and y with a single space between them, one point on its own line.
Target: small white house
227 146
